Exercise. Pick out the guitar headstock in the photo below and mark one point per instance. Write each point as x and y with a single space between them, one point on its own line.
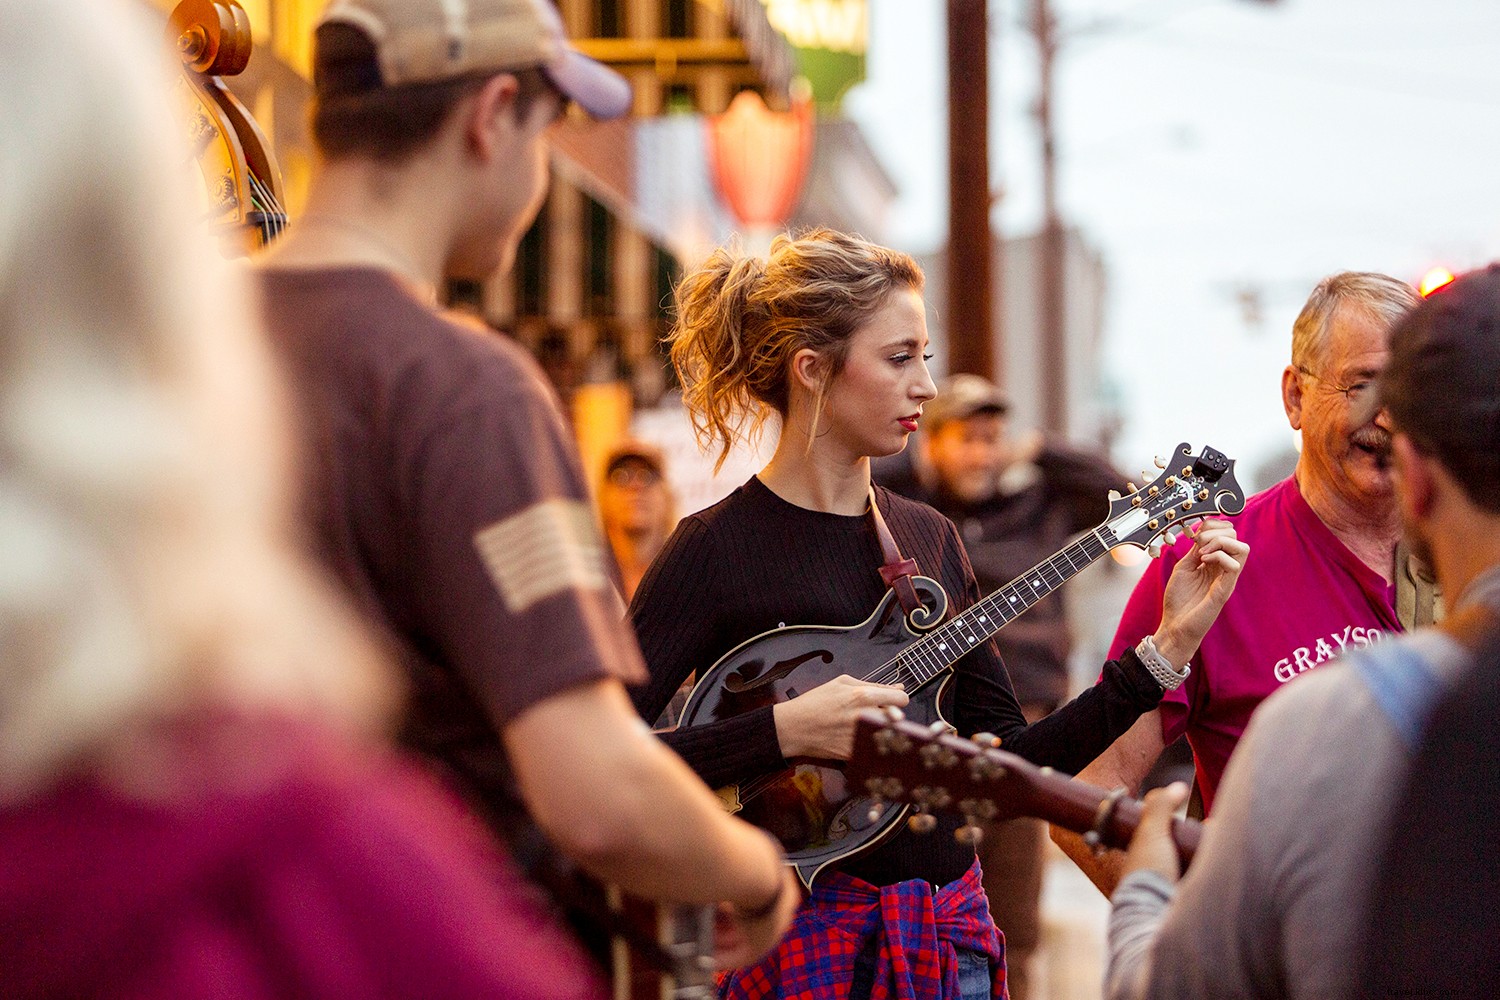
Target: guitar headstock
899 761
1189 488
895 760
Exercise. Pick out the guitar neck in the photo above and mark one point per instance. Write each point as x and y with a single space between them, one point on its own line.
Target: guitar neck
899 761
941 648
1074 805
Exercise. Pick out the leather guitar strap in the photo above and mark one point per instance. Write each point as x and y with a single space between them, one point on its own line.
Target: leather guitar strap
897 571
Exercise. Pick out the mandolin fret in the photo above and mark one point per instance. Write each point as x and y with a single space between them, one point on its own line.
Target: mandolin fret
944 646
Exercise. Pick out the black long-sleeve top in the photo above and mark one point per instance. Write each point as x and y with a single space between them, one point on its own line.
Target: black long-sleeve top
755 562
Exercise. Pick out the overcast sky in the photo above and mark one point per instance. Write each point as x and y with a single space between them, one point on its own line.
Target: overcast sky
1209 146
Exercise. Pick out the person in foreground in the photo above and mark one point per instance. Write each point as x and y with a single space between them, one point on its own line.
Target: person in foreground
1433 929
196 796
827 335
1275 903
1327 574
447 494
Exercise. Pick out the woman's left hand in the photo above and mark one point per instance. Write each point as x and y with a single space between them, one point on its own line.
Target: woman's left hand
1199 586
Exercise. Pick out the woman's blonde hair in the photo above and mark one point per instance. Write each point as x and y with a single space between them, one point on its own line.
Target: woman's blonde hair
146 567
741 318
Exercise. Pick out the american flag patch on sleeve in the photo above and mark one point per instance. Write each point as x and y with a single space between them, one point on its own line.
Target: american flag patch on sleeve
546 549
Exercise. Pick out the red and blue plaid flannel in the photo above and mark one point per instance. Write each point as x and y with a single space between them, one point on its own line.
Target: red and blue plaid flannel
918 934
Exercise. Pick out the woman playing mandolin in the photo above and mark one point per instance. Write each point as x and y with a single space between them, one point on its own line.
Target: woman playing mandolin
827 334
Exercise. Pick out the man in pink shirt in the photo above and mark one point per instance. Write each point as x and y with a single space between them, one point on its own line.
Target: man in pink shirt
1322 576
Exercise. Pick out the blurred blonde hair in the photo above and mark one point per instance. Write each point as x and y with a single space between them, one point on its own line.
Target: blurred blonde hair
147 567
740 320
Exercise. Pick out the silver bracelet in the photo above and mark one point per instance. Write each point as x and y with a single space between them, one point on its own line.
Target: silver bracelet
1166 675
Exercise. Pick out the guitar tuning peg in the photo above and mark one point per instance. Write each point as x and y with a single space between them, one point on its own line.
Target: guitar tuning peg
1114 495
922 822
1161 463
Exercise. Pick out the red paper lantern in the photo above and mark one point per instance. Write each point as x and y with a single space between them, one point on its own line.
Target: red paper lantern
758 158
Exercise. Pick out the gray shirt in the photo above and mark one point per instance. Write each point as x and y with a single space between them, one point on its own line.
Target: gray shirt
1273 904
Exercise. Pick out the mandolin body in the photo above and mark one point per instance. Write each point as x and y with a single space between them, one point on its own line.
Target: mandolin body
818 817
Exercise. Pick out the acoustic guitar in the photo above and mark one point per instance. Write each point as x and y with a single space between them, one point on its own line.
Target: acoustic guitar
927 769
818 815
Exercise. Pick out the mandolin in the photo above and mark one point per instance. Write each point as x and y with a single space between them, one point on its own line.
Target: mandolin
812 808
928 769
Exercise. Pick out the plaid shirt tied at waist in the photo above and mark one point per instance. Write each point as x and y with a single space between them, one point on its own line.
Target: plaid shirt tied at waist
917 933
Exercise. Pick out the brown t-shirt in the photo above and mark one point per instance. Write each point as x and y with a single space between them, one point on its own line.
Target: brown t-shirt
445 492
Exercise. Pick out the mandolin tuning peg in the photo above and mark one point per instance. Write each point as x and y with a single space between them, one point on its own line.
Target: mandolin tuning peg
877 806
1114 495
969 834
1132 487
986 740
1145 476
1161 463
1154 549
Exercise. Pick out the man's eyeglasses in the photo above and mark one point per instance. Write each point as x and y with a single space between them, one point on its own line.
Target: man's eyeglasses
1354 393
633 474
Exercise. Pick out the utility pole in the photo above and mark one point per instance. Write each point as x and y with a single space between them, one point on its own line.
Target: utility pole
972 336
1052 289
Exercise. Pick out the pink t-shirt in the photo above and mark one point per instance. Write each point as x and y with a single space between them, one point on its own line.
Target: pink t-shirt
1302 599
270 858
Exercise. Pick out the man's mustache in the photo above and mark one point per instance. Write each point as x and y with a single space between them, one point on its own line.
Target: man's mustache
1373 439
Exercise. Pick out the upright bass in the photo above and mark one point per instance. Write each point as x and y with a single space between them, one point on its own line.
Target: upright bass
242 188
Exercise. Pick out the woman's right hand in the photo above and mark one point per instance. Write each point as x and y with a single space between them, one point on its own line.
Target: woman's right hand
820 723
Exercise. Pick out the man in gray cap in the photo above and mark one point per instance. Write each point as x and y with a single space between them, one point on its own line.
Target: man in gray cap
1016 501
446 491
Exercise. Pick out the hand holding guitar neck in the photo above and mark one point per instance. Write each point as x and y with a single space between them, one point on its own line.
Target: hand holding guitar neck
1152 846
928 768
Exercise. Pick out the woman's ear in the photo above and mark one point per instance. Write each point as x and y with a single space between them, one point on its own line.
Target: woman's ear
807 369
